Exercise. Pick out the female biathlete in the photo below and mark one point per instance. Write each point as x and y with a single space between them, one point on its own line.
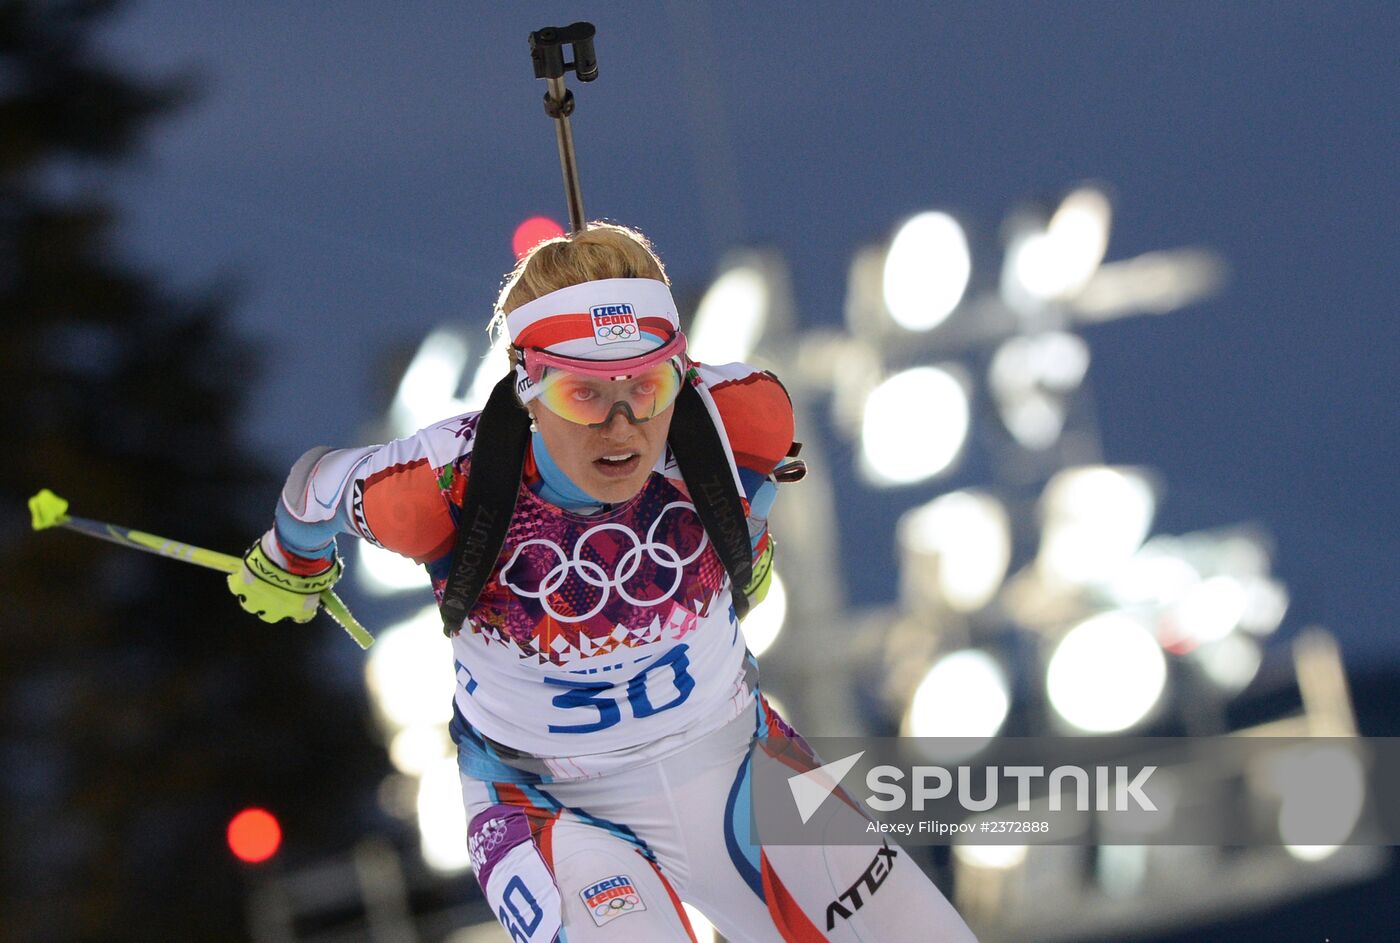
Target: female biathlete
605 703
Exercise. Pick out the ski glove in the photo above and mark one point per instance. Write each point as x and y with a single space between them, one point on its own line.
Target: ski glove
272 594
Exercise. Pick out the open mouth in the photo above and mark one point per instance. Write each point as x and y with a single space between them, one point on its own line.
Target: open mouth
621 464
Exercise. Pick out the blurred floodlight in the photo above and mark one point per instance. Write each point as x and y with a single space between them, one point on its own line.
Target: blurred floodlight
1121 870
382 572
704 930
1106 674
1032 378
1321 789
959 545
964 695
1079 231
913 426
1153 283
731 316
1208 611
1312 853
1240 553
442 819
413 750
1096 517
427 391
1056 263
991 857
1230 663
763 623
1265 604
1157 575
489 371
926 271
409 671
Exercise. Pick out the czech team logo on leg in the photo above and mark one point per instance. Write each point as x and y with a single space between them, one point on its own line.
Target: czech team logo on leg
612 897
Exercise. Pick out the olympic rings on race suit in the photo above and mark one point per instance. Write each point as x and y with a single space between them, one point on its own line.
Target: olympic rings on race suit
660 553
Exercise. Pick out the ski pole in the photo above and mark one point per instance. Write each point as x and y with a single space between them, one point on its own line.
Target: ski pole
47 509
547 54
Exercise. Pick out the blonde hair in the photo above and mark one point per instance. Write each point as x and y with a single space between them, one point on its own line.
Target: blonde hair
603 250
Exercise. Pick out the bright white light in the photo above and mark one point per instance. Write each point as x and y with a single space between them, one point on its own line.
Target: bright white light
959 544
383 572
426 392
1152 283
1266 603
1121 869
1157 575
731 317
1231 662
1323 790
1095 519
991 857
1079 230
1106 674
964 695
764 621
913 426
415 749
1032 378
1210 610
409 671
1240 554
1058 262
442 819
488 373
1312 853
704 930
926 271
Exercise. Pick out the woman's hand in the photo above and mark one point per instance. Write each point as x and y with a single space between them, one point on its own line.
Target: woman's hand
273 594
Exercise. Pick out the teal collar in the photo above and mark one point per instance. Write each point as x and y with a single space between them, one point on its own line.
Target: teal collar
555 486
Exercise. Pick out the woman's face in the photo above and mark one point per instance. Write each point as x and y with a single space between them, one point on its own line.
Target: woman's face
610 462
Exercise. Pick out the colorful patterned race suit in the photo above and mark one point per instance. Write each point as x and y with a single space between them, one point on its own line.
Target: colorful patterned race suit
605 703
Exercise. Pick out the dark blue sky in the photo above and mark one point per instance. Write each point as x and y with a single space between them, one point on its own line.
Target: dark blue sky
359 167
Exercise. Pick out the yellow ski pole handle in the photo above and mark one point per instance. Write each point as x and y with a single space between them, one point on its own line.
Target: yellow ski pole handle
47 509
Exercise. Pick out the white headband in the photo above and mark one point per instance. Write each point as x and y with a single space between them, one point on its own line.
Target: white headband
608 319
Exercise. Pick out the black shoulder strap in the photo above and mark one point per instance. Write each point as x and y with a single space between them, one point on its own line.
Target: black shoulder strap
493 484
699 452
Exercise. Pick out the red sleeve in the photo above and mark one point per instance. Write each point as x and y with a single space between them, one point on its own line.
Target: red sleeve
757 416
405 511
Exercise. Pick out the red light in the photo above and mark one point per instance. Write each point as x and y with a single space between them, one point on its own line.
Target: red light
254 835
532 232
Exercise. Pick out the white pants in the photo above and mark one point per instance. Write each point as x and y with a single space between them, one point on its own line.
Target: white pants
611 859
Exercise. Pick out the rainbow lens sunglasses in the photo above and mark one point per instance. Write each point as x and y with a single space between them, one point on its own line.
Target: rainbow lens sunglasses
591 392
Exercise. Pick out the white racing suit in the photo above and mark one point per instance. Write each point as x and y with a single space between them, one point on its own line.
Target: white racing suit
605 702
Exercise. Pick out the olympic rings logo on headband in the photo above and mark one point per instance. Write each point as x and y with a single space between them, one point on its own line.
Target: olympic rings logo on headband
627 565
613 324
618 330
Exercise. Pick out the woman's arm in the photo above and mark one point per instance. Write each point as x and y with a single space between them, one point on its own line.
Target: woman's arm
758 421
391 495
